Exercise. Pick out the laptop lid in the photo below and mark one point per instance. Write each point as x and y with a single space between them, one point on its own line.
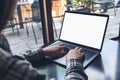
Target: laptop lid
87 29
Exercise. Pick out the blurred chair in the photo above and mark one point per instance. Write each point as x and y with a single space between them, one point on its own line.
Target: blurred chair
12 24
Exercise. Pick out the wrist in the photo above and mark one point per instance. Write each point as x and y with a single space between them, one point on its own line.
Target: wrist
45 52
74 62
42 52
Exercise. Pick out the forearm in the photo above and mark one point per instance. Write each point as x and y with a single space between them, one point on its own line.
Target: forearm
75 70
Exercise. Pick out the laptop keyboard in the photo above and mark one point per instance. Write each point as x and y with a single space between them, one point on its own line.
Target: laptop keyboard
86 51
89 54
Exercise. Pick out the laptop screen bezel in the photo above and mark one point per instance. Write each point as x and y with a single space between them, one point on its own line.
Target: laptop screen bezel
93 14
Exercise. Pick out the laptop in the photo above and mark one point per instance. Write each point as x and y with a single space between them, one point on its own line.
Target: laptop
84 30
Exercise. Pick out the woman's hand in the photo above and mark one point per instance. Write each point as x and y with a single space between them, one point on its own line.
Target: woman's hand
55 51
76 53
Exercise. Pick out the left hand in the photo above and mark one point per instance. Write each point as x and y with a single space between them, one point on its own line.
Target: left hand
54 51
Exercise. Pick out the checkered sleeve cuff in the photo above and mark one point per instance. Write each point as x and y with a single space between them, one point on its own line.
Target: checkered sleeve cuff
33 55
74 62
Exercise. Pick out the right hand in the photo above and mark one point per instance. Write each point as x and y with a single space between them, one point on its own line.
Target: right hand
76 53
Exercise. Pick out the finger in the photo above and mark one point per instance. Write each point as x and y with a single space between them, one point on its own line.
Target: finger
83 56
82 53
81 50
61 44
63 47
76 48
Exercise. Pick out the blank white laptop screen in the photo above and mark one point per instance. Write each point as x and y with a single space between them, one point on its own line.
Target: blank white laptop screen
83 29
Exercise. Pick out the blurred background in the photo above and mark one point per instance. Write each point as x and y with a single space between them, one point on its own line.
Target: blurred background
25 30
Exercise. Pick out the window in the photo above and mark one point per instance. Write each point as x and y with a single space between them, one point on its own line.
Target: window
27 31
88 6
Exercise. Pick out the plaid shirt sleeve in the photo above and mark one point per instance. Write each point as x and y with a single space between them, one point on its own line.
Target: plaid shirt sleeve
17 68
34 55
75 70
